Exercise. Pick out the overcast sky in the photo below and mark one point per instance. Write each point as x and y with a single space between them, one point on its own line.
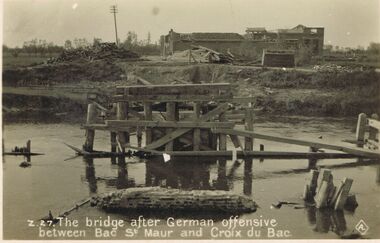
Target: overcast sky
347 22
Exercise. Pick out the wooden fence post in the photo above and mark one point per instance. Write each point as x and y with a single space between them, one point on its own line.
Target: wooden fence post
90 133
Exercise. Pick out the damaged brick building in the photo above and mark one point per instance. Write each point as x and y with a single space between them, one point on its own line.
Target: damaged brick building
252 43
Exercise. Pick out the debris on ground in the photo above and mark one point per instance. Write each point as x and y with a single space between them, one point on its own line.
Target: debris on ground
204 54
96 52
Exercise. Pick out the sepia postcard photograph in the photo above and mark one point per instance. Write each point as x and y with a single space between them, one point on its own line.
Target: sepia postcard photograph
190 120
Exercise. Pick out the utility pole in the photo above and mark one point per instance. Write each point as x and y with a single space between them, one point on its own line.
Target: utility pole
113 10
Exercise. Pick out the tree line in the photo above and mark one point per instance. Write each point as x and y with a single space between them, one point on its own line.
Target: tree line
40 47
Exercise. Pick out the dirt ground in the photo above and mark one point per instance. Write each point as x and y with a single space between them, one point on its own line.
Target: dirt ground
299 91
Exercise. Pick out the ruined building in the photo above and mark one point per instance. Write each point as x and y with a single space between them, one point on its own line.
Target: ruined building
252 43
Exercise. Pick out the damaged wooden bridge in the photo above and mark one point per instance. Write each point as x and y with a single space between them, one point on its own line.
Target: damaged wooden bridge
192 120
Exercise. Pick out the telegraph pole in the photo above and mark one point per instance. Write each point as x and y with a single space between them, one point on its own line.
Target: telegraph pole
113 10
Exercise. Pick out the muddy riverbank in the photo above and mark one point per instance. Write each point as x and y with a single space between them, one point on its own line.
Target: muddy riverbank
274 91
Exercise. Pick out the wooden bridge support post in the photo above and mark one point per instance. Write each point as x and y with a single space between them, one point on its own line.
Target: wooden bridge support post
197 131
248 142
113 142
373 131
122 114
90 133
170 116
222 137
360 129
28 146
148 117
248 177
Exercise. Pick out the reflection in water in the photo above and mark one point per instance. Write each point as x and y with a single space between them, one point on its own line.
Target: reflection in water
312 165
183 174
178 174
90 175
247 188
221 181
186 175
326 220
378 175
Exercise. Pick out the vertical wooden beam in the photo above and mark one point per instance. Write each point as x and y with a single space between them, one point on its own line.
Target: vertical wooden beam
373 131
28 146
248 142
222 137
113 141
222 182
122 114
248 177
170 116
360 129
343 194
90 133
139 136
148 117
197 131
90 175
113 146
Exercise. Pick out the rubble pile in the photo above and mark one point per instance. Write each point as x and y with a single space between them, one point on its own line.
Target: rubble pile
211 55
96 52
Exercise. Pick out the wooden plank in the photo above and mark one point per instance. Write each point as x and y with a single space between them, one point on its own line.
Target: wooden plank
174 98
133 113
235 140
169 124
143 81
178 132
343 148
374 123
261 154
341 200
361 127
186 139
172 88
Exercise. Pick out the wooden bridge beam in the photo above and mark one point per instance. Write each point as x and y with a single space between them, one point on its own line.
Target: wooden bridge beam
355 151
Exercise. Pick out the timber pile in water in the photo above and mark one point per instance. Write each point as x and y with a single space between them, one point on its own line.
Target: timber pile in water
156 198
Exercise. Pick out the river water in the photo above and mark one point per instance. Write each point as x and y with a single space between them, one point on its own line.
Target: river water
56 184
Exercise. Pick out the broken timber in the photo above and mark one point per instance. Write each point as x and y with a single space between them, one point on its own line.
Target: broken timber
199 130
350 150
